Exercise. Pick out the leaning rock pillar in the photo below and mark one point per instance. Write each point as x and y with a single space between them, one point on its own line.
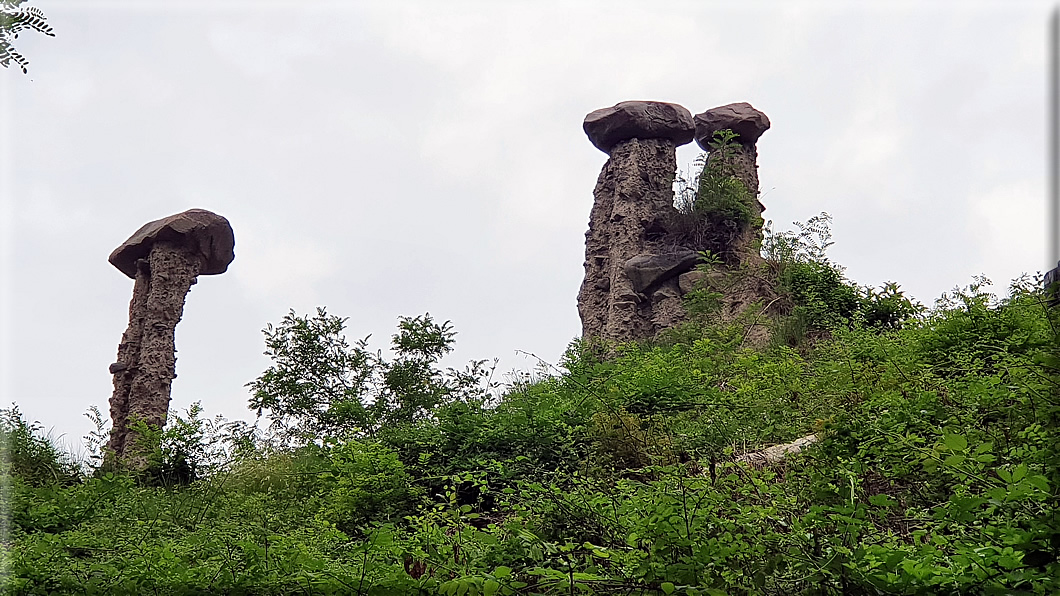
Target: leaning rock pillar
164 257
629 269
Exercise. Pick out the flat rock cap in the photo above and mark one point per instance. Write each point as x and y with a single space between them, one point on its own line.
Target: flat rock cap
747 122
200 231
608 127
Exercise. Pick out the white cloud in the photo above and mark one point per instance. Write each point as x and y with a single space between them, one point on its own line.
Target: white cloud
73 89
1007 223
40 212
274 265
865 154
261 48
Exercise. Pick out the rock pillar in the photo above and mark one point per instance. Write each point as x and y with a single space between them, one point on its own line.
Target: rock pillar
741 161
164 257
630 288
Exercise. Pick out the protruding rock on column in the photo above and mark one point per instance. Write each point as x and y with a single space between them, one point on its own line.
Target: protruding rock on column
1051 283
741 118
164 257
630 287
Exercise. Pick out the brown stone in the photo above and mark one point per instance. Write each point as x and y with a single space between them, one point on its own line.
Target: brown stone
164 257
202 233
692 280
633 194
747 122
638 252
1052 287
627 120
667 307
645 270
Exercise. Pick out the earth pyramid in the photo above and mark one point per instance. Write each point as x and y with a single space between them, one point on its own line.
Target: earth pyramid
641 251
165 258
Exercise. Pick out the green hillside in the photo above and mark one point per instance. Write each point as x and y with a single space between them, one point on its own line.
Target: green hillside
615 471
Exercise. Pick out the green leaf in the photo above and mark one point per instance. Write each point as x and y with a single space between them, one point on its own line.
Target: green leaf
667 587
502 572
1019 472
955 442
881 500
954 460
1039 482
997 493
491 587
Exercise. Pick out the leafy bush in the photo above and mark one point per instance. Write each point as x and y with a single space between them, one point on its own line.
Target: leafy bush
28 454
320 386
721 194
970 331
821 298
365 483
713 204
318 382
887 309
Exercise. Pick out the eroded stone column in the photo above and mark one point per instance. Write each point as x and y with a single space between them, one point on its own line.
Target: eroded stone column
629 269
748 124
165 257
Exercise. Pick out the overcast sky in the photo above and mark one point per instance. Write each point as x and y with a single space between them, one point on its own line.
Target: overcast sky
393 158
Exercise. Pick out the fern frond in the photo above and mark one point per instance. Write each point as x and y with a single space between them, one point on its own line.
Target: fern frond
28 18
9 55
15 18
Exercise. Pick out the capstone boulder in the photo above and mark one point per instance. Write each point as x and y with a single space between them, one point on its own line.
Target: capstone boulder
608 127
741 118
202 233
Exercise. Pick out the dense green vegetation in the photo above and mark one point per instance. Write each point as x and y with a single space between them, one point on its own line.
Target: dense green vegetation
936 470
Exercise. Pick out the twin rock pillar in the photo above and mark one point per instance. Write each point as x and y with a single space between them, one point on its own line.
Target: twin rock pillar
631 289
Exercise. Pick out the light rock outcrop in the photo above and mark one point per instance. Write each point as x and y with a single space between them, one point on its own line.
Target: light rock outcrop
165 257
777 453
